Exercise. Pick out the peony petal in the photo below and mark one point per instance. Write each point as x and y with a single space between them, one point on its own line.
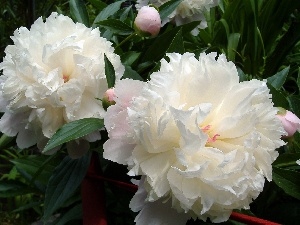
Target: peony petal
117 151
160 213
26 138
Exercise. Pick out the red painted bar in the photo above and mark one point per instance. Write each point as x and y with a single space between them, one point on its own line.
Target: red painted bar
250 220
93 196
93 199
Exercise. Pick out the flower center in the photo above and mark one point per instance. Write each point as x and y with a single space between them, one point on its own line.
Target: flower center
211 137
66 78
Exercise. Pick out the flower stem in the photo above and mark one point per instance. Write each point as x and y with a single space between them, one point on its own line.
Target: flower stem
126 39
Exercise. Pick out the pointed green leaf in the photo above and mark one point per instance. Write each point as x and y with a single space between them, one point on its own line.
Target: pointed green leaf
278 98
128 58
132 74
298 79
38 167
177 44
14 188
73 130
233 41
242 75
166 9
116 26
98 4
187 28
65 179
288 180
108 11
126 13
160 46
74 213
279 78
226 27
294 101
286 160
79 12
30 205
109 72
4 141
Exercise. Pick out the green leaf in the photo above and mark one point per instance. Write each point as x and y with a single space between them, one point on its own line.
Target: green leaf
37 166
187 28
109 72
30 205
73 130
98 4
107 12
116 26
233 41
288 180
79 12
13 188
132 74
166 9
161 45
298 79
242 75
278 98
128 58
11 175
127 12
294 101
226 27
286 160
279 78
73 214
5 140
65 179
177 43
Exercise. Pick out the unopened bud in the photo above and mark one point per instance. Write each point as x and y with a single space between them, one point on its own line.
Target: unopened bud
290 121
147 22
108 98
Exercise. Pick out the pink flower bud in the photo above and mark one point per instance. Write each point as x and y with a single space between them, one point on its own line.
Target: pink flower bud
108 98
147 22
290 121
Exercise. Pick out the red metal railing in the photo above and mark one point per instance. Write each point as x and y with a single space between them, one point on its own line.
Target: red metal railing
93 199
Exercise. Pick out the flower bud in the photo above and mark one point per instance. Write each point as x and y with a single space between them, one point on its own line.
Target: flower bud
147 22
108 98
290 121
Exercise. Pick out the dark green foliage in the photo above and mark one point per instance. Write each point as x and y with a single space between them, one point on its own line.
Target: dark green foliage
262 38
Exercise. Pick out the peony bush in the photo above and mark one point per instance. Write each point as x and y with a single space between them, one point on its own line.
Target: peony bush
153 112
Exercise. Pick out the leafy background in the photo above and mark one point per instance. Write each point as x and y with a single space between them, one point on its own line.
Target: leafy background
262 37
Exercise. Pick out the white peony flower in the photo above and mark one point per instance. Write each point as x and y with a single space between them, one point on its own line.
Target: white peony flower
203 141
186 12
52 75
